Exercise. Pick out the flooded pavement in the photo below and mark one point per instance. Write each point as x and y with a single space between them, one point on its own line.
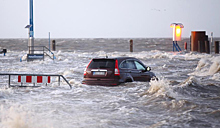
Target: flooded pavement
186 95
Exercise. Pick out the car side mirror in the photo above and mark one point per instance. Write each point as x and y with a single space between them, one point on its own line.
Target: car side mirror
147 69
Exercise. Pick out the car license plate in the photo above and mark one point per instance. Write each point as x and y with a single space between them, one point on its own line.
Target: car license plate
98 73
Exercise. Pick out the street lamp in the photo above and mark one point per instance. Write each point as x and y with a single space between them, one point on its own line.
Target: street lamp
177 33
30 47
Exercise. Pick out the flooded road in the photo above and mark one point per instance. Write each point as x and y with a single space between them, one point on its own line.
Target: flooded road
186 95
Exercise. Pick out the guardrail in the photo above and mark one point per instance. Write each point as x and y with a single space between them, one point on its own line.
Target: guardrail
34 75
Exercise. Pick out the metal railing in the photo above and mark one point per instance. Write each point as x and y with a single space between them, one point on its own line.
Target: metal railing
18 74
41 49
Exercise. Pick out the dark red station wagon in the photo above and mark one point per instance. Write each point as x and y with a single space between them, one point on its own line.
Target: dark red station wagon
113 71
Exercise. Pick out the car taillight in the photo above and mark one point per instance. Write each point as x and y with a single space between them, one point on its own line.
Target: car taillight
87 67
117 72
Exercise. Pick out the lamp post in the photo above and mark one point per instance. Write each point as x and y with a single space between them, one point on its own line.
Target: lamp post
177 33
31 29
29 46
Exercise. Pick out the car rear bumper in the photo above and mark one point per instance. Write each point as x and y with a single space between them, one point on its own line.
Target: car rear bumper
101 82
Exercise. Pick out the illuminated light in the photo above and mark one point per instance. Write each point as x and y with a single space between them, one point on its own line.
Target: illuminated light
177 31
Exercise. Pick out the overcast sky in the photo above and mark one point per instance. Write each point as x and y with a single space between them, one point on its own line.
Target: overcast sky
108 18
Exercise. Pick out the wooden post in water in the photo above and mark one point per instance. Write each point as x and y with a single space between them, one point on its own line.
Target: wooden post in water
131 45
199 46
216 47
53 45
207 47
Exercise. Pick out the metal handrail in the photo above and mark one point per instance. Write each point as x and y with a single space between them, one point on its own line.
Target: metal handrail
49 51
43 47
18 74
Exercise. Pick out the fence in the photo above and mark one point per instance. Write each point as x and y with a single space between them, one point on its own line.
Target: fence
33 78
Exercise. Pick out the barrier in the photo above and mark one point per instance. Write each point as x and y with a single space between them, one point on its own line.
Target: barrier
33 78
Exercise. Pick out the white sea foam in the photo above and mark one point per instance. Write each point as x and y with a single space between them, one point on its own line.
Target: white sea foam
157 88
215 67
16 117
96 106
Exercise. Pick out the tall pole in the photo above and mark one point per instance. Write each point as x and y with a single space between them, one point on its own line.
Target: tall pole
31 35
211 46
31 19
49 41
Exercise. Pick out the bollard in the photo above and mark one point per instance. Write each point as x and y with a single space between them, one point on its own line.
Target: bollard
53 45
4 51
216 47
185 45
131 45
207 47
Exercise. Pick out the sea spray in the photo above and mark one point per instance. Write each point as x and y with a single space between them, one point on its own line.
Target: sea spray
157 87
12 118
190 81
17 117
215 67
207 66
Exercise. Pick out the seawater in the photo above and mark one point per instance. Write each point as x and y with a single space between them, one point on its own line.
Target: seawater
186 95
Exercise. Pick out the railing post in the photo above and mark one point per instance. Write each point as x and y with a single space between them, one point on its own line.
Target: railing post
9 81
43 52
59 80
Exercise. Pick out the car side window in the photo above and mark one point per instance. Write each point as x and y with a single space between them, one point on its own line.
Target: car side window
124 65
139 66
128 64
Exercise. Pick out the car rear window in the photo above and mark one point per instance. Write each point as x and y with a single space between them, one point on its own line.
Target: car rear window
102 63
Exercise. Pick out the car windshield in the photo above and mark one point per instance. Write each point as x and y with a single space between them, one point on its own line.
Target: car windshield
102 63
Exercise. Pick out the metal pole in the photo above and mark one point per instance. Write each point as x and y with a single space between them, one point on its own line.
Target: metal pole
211 45
49 41
31 30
